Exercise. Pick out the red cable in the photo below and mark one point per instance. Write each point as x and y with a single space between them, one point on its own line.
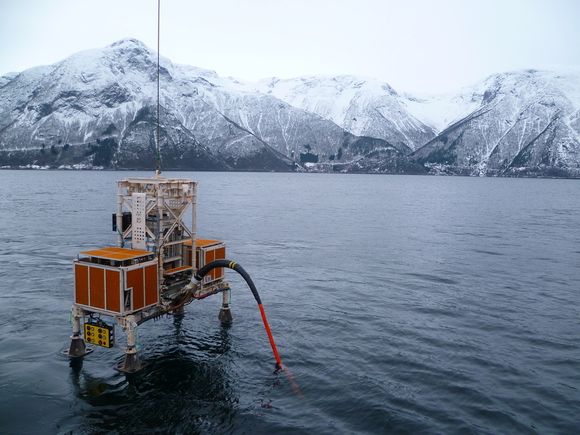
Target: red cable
270 337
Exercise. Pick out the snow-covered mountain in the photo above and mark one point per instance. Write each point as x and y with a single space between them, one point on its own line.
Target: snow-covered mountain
97 108
364 107
523 122
442 110
6 78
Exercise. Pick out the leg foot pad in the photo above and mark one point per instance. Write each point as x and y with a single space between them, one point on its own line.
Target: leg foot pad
225 316
130 364
77 348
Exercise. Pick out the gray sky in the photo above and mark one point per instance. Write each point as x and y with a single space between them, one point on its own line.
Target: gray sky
415 45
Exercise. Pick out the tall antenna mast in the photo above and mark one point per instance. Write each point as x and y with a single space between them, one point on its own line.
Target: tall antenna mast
157 144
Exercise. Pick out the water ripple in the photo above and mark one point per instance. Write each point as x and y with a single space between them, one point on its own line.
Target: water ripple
400 305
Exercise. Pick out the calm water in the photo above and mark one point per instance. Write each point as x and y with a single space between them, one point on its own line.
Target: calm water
401 305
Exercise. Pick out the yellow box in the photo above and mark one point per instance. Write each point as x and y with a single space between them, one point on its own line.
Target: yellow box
99 335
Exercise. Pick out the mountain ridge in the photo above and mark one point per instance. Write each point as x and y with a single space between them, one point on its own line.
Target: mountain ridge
528 122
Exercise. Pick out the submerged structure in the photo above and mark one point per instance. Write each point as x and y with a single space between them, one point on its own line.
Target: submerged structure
158 267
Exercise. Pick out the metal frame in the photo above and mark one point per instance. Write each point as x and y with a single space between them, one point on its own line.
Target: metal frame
163 206
166 201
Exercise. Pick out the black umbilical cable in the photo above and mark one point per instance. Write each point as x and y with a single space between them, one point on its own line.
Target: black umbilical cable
236 267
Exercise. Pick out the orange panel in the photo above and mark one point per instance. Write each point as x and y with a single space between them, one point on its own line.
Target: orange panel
81 284
151 293
113 278
188 255
135 280
113 253
97 287
220 254
209 257
205 242
175 270
201 242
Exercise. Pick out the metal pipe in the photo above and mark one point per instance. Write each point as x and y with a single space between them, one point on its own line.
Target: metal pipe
119 219
77 314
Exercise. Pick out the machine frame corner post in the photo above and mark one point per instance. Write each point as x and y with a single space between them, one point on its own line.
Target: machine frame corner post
225 315
77 348
131 362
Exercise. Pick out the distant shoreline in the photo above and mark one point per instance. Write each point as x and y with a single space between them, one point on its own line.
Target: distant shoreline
290 172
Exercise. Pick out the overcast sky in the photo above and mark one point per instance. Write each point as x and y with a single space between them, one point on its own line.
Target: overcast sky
415 45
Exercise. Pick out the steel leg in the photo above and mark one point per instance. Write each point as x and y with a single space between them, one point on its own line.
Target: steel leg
77 348
131 362
225 315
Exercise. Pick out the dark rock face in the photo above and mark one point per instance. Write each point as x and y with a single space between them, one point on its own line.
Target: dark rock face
114 95
179 148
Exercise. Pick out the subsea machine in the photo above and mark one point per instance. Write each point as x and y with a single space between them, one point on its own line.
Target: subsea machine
158 266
